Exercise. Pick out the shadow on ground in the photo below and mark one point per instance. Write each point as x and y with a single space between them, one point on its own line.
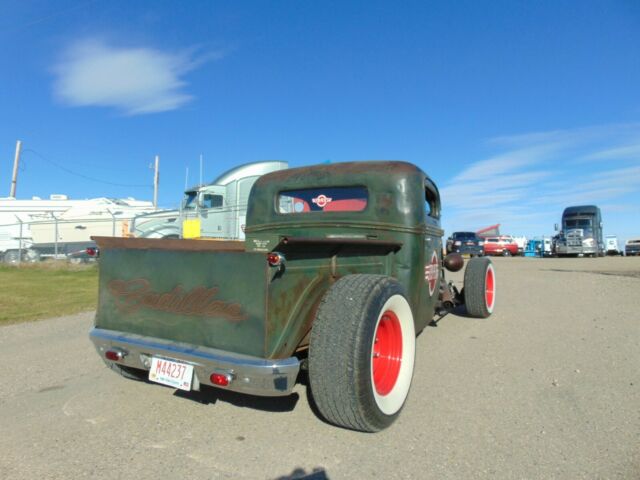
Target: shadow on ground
210 395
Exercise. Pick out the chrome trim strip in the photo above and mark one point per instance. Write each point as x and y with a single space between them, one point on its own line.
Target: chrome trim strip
253 375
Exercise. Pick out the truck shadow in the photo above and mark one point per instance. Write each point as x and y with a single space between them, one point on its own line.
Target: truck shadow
459 311
211 395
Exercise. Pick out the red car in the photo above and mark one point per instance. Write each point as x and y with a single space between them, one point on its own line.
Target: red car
503 245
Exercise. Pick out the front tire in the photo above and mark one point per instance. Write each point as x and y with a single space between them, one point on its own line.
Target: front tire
361 352
480 287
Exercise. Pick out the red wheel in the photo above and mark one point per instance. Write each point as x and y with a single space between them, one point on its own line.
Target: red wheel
489 288
393 353
387 353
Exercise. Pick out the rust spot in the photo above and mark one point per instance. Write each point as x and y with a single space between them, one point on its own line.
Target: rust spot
318 172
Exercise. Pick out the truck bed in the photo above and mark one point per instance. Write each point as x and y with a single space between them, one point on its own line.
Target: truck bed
204 293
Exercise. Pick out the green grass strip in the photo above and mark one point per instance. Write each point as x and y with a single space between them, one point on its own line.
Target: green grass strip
45 290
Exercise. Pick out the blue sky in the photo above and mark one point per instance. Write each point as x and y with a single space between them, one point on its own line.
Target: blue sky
515 109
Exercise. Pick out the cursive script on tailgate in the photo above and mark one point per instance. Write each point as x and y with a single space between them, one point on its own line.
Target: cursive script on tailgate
131 295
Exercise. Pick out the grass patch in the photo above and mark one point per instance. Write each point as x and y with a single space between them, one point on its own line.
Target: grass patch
45 290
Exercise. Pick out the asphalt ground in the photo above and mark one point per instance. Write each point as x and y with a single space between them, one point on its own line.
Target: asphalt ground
548 387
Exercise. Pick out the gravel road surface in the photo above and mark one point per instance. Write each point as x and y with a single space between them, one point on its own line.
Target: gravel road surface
548 387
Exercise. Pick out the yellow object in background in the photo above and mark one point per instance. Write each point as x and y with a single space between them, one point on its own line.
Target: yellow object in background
191 228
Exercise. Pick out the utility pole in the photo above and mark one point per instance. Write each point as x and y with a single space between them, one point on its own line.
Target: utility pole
16 162
156 181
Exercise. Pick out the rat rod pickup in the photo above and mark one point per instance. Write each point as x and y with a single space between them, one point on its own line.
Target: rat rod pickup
341 267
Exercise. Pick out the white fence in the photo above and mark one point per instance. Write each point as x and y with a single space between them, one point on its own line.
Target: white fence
55 236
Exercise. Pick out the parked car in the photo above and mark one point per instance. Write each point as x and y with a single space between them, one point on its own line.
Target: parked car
632 247
465 242
504 246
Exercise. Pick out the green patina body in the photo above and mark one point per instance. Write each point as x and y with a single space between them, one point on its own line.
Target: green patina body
225 295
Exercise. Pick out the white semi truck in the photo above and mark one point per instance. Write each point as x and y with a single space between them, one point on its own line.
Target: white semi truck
216 210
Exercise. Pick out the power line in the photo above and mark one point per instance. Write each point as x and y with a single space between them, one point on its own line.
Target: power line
81 175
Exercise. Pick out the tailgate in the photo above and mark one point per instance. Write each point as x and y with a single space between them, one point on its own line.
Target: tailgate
203 293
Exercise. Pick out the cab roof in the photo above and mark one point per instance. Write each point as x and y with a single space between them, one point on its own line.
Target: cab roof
396 192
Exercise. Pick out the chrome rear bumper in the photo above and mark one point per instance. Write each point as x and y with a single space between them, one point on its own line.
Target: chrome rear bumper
252 375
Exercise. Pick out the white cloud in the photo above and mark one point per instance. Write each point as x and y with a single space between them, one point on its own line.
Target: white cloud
627 152
504 163
526 186
132 80
574 136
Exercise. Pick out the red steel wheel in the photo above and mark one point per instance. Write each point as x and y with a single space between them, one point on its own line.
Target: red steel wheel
489 289
387 353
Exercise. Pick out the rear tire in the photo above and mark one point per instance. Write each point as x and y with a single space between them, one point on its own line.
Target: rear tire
480 287
361 352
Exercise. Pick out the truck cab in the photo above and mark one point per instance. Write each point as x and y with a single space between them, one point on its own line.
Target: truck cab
218 210
581 233
204 213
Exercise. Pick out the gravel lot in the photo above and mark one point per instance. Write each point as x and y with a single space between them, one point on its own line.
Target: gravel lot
548 387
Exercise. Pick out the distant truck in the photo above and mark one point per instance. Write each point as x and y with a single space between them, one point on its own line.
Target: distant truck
216 210
580 233
220 209
632 247
339 270
538 247
611 245
466 243
160 224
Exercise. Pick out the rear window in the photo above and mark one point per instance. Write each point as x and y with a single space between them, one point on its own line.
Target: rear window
331 199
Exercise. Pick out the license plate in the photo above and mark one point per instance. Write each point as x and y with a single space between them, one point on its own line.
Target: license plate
169 372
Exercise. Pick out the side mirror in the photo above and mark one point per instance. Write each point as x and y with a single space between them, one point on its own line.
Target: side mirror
556 227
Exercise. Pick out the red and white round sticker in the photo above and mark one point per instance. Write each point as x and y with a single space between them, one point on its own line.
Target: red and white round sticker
321 200
431 273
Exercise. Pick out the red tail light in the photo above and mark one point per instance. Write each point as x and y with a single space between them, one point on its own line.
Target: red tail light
220 379
92 251
275 259
114 355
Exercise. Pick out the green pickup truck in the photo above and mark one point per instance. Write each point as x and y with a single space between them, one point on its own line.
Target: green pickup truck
341 267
